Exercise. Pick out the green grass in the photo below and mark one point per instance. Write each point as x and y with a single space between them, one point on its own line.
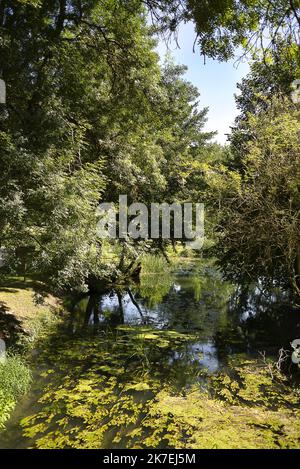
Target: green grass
25 300
15 379
27 314
153 264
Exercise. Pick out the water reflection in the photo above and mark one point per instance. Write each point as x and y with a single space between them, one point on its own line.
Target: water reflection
127 350
227 319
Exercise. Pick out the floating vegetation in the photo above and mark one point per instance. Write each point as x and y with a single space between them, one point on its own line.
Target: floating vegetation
179 375
134 387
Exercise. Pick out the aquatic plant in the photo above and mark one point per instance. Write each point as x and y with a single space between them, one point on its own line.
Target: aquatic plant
118 389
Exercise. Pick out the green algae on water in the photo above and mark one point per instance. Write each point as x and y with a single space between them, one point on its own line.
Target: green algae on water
103 392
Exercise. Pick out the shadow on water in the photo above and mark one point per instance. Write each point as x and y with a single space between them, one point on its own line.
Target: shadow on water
98 377
226 319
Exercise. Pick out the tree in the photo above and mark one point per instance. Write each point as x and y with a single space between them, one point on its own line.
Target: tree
87 118
71 69
222 26
259 238
270 75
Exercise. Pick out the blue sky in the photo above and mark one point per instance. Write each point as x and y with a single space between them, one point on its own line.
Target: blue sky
216 81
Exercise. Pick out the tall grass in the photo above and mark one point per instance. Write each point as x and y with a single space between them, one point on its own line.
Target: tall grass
15 379
154 264
39 318
15 374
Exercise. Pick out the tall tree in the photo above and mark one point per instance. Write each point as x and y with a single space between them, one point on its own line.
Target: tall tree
259 224
222 26
89 115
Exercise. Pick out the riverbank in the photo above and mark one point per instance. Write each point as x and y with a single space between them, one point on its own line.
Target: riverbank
21 303
27 311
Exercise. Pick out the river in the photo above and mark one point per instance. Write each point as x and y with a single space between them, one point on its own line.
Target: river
182 360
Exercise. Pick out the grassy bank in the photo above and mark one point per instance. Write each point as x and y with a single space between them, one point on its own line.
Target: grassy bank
15 379
27 311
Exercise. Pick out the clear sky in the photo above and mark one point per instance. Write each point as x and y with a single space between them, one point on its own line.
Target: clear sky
215 80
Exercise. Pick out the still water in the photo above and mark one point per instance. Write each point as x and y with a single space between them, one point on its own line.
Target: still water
183 360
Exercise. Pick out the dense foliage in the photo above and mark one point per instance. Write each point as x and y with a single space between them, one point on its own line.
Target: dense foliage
90 115
260 235
221 26
259 220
